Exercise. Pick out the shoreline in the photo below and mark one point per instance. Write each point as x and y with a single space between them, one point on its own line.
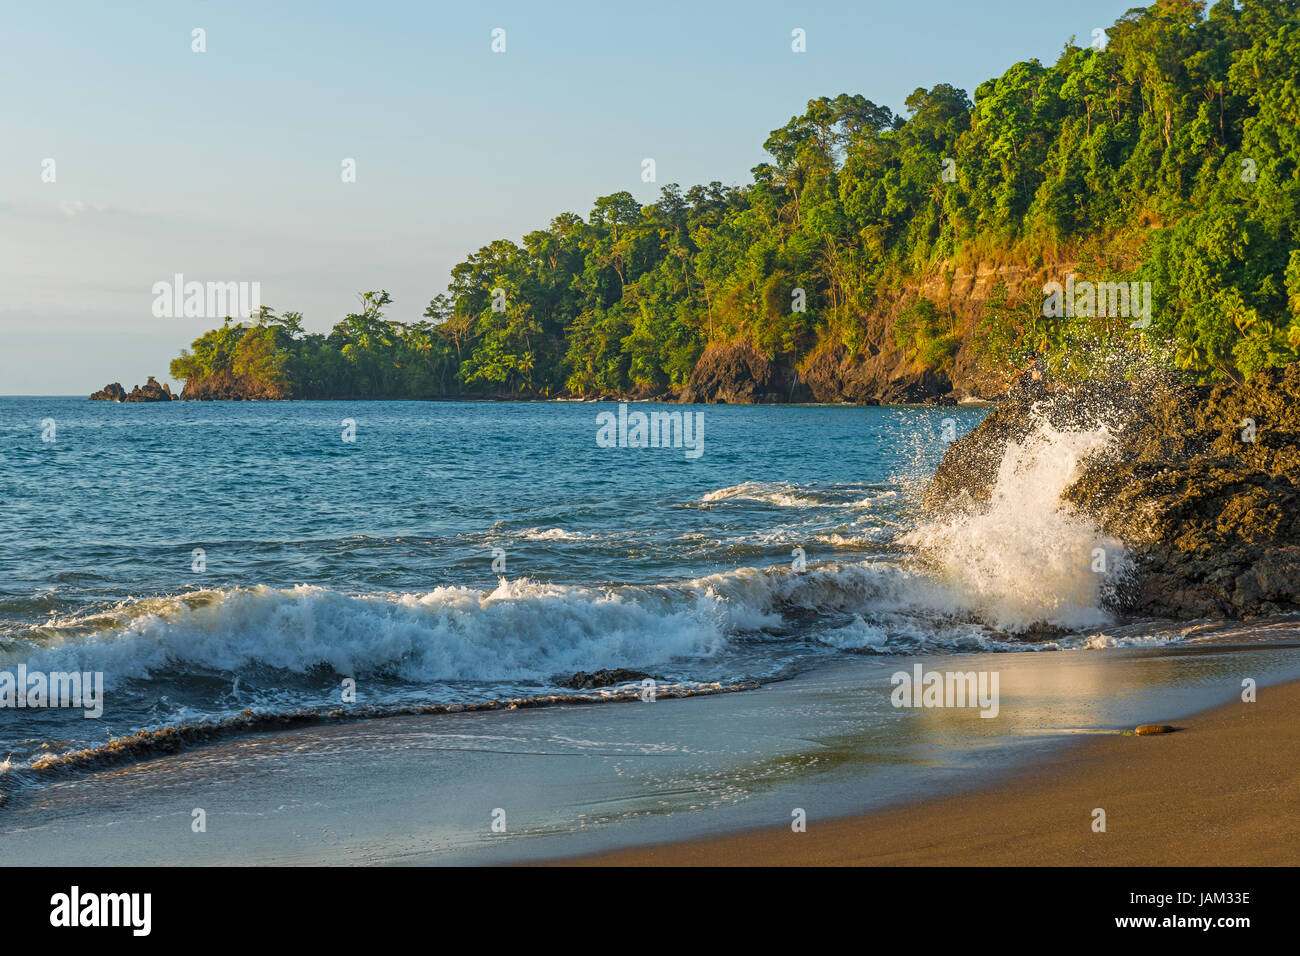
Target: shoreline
524 399
1170 800
640 783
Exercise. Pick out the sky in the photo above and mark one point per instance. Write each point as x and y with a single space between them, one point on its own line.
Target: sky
227 165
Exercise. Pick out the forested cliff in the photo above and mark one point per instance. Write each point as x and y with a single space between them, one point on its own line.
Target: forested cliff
884 257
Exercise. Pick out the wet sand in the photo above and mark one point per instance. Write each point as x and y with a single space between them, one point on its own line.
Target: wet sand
574 780
1224 790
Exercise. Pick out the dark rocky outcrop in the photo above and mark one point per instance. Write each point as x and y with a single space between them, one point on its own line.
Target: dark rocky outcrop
652 393
605 678
113 392
1202 483
150 391
970 465
739 374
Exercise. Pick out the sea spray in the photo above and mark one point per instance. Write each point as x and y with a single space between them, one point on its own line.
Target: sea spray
1027 558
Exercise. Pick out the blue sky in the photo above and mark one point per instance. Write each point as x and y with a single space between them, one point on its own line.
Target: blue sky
225 165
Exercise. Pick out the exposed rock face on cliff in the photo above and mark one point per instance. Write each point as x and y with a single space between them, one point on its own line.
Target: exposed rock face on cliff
873 378
232 388
150 391
738 374
1201 483
878 372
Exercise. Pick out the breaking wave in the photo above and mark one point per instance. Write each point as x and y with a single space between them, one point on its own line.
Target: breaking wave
1022 571
1028 558
1024 562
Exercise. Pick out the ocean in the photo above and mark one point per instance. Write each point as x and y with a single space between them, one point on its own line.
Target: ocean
220 564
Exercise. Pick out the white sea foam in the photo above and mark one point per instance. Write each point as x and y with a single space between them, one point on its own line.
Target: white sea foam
1028 558
521 631
779 493
971 581
784 494
872 501
553 534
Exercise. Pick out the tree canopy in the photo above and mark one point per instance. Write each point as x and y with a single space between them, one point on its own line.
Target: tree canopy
1181 133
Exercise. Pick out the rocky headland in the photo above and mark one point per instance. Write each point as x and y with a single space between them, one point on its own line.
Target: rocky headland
233 388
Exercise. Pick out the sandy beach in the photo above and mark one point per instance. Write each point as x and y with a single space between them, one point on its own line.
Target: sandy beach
703 780
1223 790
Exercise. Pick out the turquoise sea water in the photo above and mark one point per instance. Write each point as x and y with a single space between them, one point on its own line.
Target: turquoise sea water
212 558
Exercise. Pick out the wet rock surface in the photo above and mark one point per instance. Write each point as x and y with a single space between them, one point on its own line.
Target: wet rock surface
1147 730
604 678
1202 483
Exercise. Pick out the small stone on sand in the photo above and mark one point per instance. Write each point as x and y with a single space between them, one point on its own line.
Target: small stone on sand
1153 729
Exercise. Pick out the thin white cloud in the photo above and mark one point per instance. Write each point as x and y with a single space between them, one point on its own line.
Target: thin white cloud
79 207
